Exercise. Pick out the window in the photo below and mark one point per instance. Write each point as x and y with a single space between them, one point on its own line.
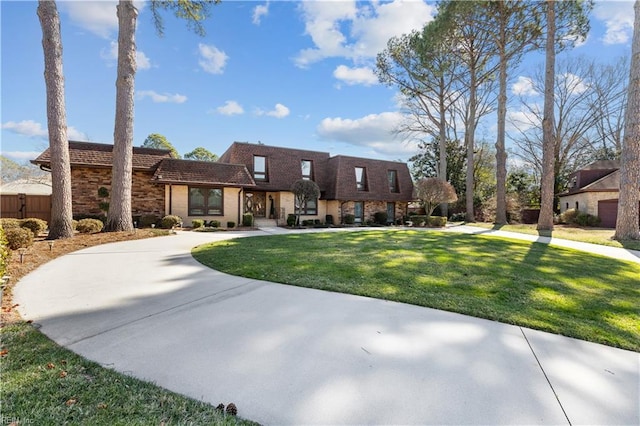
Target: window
361 178
205 201
259 167
307 169
310 207
392 175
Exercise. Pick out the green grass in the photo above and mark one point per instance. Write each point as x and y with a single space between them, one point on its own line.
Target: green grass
44 384
529 284
586 235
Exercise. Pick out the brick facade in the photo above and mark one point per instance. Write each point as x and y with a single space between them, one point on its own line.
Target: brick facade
146 197
371 207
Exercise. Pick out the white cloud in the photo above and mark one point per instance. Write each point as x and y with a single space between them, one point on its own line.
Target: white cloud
351 76
98 17
375 131
259 11
230 108
279 111
33 129
523 87
524 119
28 128
161 97
212 59
22 155
356 31
574 84
111 56
618 20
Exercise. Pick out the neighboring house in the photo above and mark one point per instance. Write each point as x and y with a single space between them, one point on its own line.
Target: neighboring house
594 190
248 178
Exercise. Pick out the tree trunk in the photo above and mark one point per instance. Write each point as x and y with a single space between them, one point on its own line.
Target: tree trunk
119 217
442 145
545 221
627 227
61 207
470 130
501 153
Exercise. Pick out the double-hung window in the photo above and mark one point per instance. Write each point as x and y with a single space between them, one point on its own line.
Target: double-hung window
260 168
205 201
310 207
361 179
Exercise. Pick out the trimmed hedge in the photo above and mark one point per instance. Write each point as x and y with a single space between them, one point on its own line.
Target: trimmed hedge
5 254
89 226
170 221
19 238
197 223
231 224
147 220
349 219
247 219
37 226
7 223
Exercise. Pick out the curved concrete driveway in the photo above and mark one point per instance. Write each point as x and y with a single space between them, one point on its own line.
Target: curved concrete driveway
289 355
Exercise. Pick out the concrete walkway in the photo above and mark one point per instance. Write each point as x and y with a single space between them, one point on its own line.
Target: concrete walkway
289 355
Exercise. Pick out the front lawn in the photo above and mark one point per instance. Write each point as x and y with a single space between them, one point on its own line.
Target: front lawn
600 236
45 384
529 284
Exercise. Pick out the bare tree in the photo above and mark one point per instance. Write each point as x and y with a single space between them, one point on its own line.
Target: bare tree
304 190
627 227
434 191
61 207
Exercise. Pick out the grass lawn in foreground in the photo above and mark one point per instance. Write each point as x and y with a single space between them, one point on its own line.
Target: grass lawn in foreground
529 284
45 384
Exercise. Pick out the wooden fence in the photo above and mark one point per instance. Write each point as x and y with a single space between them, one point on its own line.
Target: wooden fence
21 206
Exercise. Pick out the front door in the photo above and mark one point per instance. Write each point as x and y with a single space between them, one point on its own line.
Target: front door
255 203
358 211
391 212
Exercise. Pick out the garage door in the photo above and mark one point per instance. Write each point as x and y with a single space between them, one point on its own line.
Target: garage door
608 212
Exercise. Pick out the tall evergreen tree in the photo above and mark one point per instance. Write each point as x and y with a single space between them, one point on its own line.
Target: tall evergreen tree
61 207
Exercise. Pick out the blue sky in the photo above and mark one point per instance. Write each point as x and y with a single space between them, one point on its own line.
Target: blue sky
284 73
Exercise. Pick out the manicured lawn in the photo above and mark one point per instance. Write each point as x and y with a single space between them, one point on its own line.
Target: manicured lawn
586 235
44 384
529 284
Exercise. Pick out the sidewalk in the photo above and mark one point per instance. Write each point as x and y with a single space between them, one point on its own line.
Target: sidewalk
290 355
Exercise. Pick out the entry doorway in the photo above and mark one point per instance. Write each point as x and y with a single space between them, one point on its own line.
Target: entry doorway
255 203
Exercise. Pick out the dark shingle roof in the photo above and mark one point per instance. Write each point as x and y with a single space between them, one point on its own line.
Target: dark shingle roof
283 164
100 155
344 187
202 172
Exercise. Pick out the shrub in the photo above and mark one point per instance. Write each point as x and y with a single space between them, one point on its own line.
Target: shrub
380 218
103 192
291 220
214 223
349 219
102 218
147 220
5 254
569 216
328 219
104 206
89 226
231 224
74 224
247 219
437 221
19 238
170 221
307 222
35 225
418 219
7 223
458 217
197 223
585 219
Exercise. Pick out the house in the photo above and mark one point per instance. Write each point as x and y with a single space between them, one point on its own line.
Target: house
594 190
248 178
